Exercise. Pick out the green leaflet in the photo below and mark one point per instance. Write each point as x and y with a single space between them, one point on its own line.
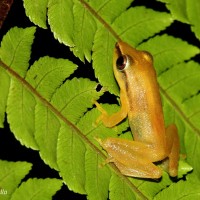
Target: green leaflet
71 159
15 45
59 10
178 9
5 82
193 15
37 189
97 177
20 111
37 11
84 27
181 190
11 174
168 51
104 7
150 189
123 193
186 11
102 60
141 23
47 74
189 80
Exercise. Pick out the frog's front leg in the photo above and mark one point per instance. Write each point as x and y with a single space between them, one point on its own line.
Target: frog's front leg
173 147
114 119
132 158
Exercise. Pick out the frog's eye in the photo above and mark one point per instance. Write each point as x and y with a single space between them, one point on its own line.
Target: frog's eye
123 62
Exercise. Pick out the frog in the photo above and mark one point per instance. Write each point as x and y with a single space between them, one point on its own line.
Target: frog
141 102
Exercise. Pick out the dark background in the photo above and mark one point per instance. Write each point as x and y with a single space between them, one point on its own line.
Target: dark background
45 44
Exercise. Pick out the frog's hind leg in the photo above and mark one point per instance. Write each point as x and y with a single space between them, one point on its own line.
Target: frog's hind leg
173 148
149 170
132 158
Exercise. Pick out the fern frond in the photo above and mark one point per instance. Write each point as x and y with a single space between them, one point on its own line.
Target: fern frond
50 111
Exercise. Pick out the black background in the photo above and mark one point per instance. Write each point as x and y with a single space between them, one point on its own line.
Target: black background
45 44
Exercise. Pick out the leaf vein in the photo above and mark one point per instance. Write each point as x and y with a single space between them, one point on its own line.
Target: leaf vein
182 79
73 98
179 111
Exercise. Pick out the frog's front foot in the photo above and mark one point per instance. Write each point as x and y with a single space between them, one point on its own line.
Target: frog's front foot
104 115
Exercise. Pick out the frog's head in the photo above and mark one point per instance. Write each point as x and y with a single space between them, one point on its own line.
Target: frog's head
131 64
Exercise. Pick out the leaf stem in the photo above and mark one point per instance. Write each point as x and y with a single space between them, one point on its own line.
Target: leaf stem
100 19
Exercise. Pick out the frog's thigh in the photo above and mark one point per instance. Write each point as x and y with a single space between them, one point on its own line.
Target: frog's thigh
149 170
173 149
133 158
